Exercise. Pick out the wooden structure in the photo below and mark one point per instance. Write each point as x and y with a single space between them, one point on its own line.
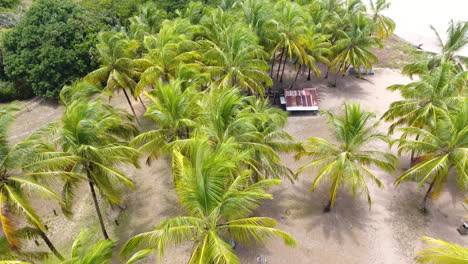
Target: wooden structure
306 99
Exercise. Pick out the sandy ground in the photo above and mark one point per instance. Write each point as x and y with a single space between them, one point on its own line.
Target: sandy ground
389 233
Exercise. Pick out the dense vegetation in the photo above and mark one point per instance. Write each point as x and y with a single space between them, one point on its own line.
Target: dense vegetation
50 47
205 72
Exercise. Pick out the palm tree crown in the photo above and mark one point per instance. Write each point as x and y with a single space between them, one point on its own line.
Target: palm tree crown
218 199
346 164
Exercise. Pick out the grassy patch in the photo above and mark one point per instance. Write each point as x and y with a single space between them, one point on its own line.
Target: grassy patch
396 53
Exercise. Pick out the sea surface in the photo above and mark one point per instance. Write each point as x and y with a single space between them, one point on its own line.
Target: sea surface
413 18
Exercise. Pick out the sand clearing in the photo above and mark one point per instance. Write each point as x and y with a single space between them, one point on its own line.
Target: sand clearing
390 233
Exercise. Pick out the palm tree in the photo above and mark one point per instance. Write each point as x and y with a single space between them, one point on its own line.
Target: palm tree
218 199
18 174
440 149
457 39
346 163
84 252
252 125
79 90
118 69
173 110
168 51
385 25
93 135
292 35
437 89
353 48
234 58
148 21
442 252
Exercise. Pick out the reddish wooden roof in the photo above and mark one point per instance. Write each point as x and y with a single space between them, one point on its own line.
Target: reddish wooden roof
304 97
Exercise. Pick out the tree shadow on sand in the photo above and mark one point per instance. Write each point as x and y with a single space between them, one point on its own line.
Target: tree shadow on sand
348 218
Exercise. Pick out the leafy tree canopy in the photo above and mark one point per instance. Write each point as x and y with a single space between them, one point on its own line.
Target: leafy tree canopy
51 46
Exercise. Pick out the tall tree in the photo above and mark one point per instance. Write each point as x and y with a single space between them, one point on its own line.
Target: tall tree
440 88
292 35
233 57
173 110
51 46
457 39
346 163
169 54
18 180
353 48
440 149
118 70
218 200
385 25
94 136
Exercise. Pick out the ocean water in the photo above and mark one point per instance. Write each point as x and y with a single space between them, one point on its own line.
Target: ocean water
413 18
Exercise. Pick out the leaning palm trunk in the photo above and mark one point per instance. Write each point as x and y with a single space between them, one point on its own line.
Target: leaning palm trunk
297 74
50 245
429 190
272 65
96 205
279 64
131 106
141 101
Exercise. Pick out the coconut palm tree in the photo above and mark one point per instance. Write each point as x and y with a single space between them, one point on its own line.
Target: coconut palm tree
353 48
457 39
173 110
84 252
168 51
292 35
118 70
442 252
19 172
385 25
218 199
234 58
148 21
252 125
440 149
94 136
346 163
440 88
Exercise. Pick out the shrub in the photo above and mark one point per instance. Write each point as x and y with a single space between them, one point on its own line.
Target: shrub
7 4
51 46
9 92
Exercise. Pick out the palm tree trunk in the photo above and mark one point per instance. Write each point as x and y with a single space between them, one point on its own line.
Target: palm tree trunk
412 153
423 205
327 208
308 76
50 245
295 79
326 74
141 101
131 106
338 73
272 65
284 66
279 63
96 205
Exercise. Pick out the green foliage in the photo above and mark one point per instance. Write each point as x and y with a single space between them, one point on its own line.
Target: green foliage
442 252
346 162
216 194
113 12
9 92
8 4
441 148
51 46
